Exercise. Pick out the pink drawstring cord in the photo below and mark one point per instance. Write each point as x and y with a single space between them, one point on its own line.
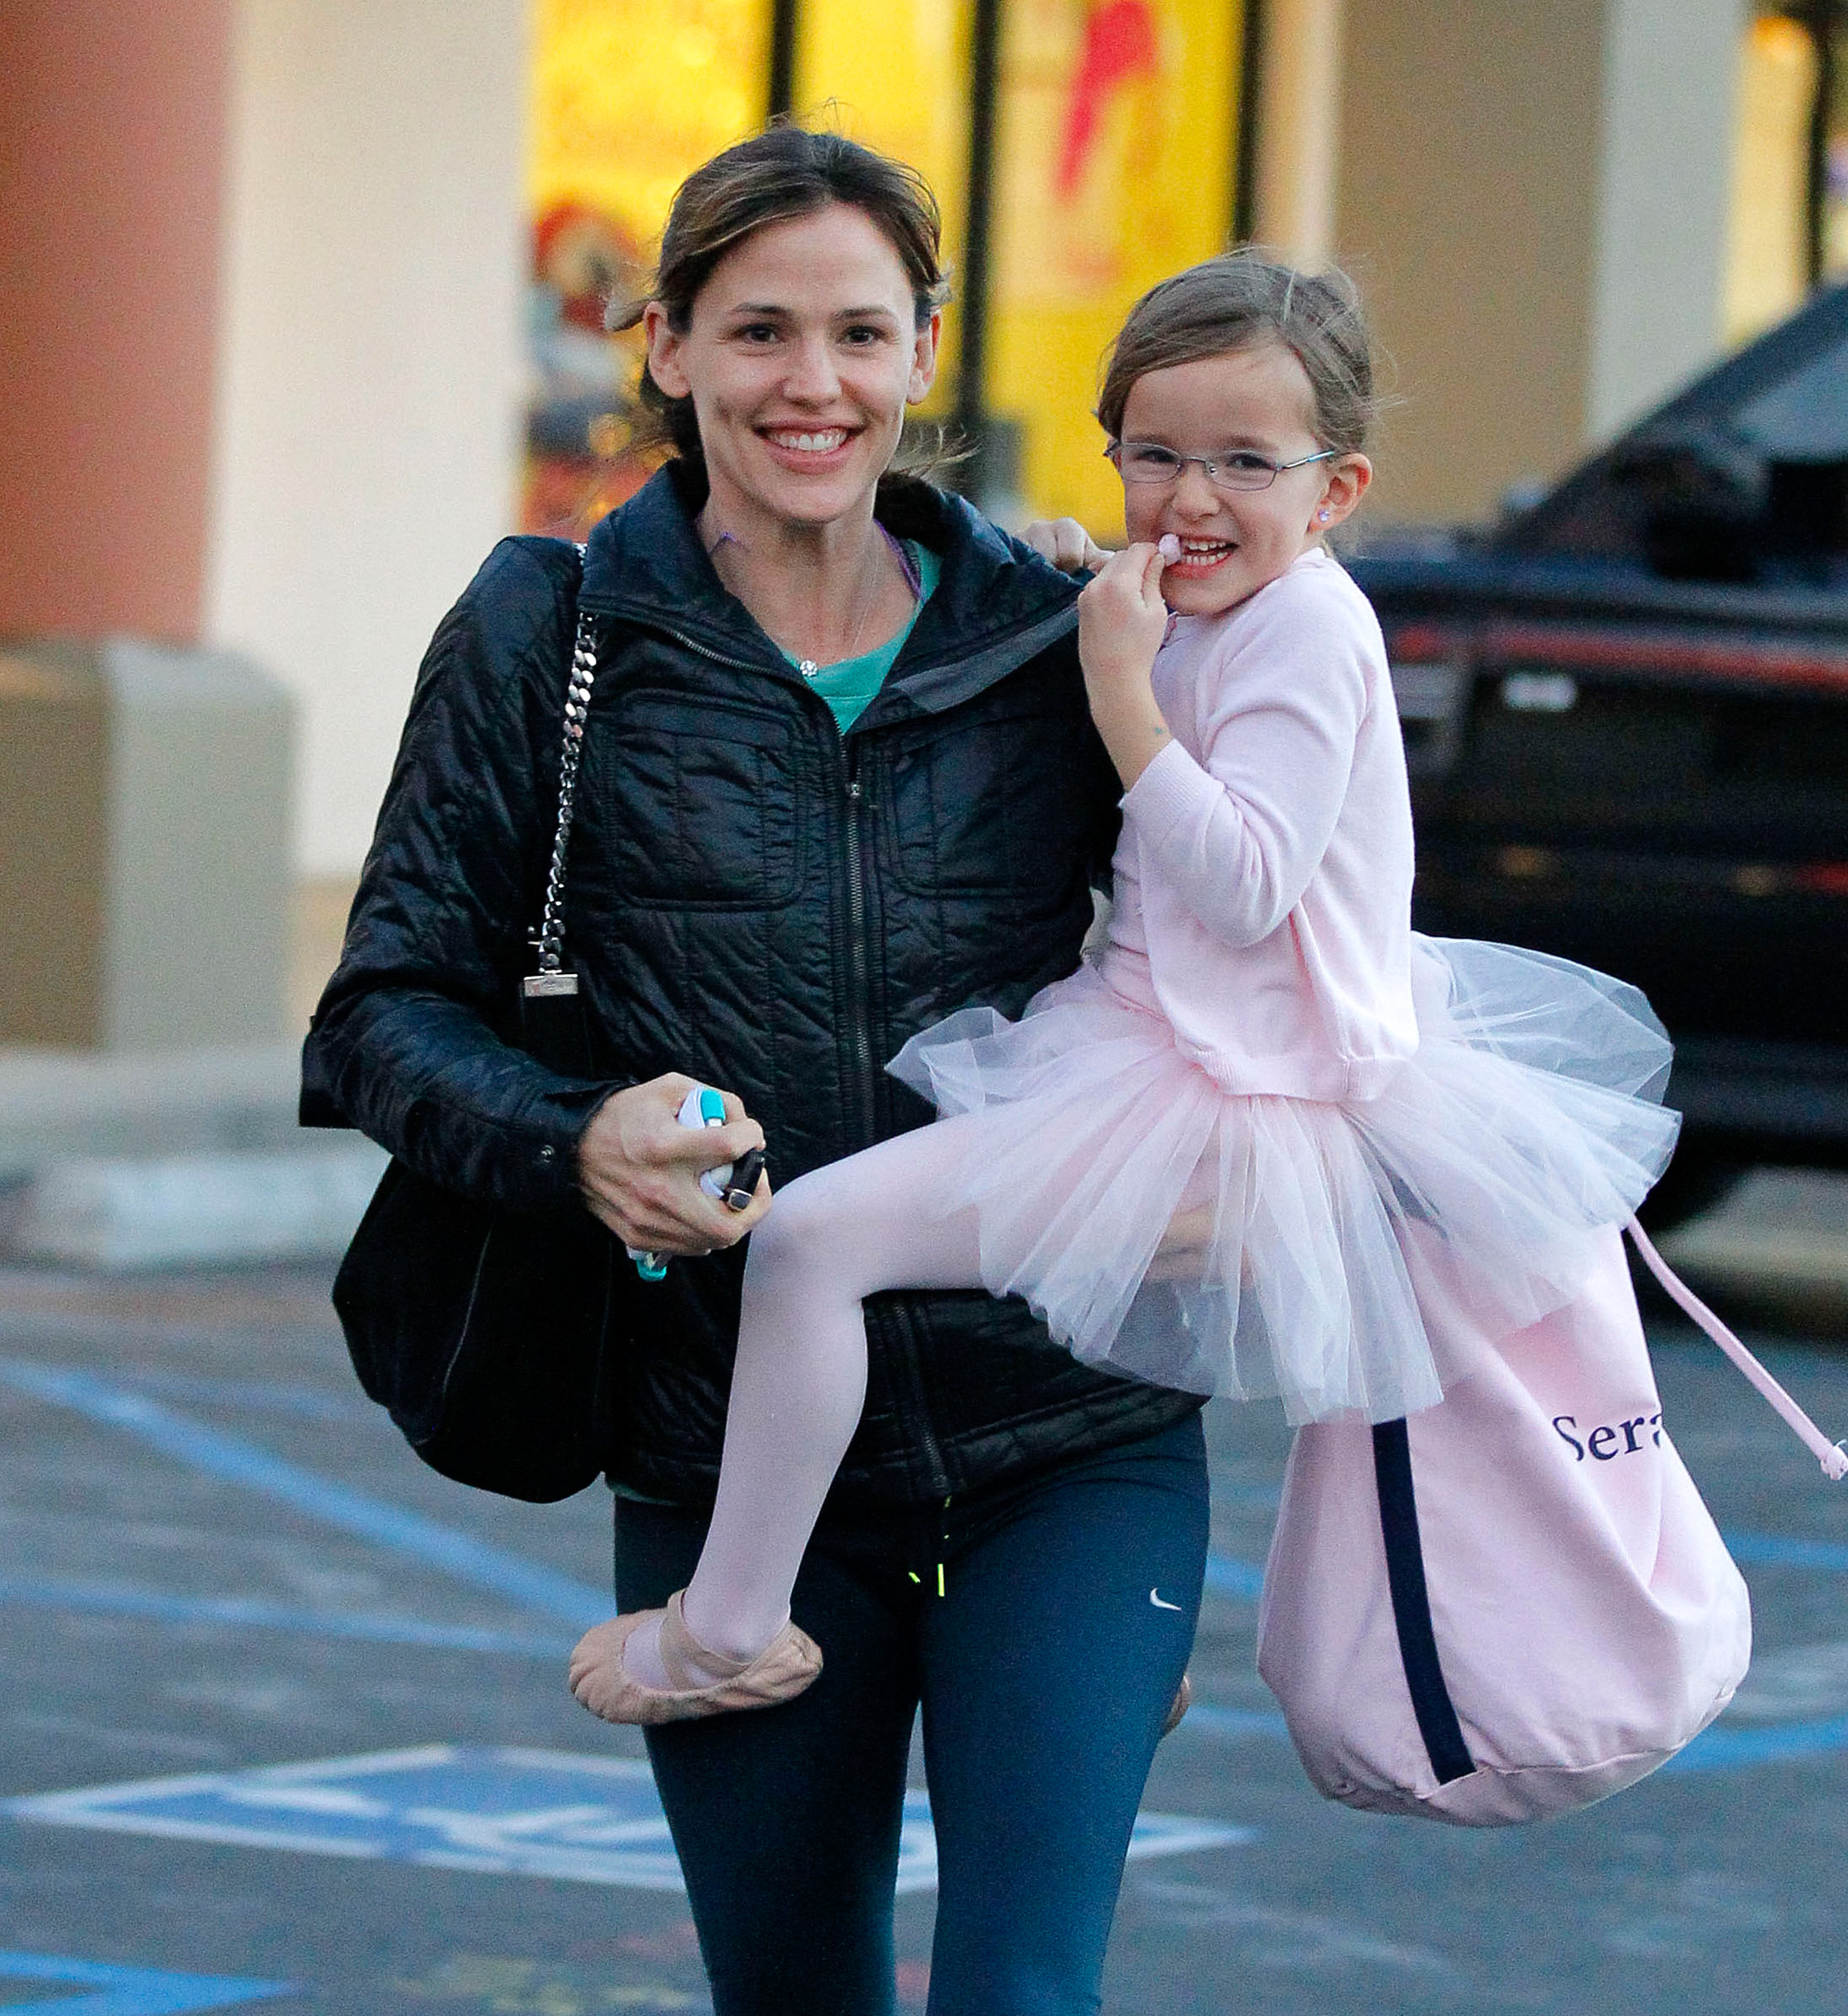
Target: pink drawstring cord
1832 1456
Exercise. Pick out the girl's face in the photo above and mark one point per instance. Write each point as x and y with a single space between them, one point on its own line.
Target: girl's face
1235 542
801 355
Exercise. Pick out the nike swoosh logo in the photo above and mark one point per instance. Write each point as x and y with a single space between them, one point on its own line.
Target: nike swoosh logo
1155 1598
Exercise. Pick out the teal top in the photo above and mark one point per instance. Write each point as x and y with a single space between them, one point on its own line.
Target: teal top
849 687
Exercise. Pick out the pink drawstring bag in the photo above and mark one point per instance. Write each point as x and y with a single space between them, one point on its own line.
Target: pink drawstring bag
1514 1602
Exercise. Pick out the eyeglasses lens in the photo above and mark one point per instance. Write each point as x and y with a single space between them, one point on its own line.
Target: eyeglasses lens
1146 463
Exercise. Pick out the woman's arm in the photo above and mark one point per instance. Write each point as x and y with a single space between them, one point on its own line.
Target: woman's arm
414 1042
410 1042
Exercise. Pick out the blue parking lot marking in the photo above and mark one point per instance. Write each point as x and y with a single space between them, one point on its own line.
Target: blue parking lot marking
1728 1749
237 1461
494 1812
1773 1550
1235 1725
220 1454
1233 1580
125 1600
128 1991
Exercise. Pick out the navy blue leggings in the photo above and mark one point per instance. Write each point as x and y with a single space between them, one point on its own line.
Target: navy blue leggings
1045 1669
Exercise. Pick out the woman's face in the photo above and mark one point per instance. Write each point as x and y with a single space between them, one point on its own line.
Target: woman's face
803 353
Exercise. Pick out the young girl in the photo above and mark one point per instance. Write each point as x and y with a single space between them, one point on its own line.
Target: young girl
1269 1141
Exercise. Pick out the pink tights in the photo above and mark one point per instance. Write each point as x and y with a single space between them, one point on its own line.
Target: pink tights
877 1220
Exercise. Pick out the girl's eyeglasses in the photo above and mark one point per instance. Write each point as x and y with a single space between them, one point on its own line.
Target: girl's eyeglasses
1238 469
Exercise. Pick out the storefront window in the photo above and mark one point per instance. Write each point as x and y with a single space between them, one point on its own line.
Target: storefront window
1789 229
628 96
1117 132
1115 140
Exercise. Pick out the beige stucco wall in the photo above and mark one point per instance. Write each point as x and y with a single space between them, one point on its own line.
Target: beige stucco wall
1298 155
1665 188
1535 199
1469 145
369 362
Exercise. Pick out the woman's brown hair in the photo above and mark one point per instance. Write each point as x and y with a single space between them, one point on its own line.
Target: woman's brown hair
1240 299
783 173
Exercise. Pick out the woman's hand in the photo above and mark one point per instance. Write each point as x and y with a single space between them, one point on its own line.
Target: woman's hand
640 1169
1122 621
1066 543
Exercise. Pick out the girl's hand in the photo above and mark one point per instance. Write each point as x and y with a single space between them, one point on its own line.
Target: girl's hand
1122 621
639 1170
1066 543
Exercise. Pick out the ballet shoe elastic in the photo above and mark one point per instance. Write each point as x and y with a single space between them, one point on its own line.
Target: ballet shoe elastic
781 1672
1183 1701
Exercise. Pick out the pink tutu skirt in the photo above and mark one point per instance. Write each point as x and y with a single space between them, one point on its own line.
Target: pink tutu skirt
1349 1258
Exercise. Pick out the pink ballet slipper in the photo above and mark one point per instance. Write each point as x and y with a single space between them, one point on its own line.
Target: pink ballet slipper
599 1680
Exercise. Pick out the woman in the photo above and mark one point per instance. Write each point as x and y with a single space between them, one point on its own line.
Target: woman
839 779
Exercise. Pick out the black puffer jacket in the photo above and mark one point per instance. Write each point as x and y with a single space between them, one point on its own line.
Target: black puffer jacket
755 900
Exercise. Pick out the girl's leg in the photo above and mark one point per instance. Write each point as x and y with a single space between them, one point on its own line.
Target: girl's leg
874 1220
1048 1667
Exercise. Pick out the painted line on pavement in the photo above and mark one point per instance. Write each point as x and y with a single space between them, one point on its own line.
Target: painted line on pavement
234 1460
1233 1581
1773 1550
123 1600
1235 1725
128 1991
308 1403
1723 1749
564 1814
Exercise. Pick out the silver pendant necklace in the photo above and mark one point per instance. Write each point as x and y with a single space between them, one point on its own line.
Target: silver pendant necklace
810 667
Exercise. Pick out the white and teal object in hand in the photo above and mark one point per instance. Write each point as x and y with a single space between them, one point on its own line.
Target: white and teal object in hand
705 1108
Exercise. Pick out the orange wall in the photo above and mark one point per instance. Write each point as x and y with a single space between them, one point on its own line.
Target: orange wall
112 127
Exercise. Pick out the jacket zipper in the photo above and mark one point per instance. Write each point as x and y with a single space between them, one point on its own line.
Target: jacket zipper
859 1014
860 1038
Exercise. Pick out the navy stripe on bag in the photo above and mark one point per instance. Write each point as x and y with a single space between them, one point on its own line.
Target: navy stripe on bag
1411 1605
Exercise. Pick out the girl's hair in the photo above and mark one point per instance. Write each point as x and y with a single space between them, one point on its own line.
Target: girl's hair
783 173
1244 298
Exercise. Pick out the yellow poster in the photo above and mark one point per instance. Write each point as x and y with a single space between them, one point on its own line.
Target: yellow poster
628 98
1116 151
894 75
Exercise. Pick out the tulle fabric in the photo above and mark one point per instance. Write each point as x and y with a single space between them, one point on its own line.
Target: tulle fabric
1350 1258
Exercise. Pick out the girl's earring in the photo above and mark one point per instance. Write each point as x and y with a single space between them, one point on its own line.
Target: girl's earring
1323 515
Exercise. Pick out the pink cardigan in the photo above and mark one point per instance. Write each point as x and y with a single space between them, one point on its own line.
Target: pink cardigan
1266 863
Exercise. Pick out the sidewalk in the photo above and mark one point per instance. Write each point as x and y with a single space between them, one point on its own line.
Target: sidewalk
195 1158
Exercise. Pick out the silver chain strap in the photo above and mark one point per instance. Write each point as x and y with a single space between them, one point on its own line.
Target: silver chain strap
576 710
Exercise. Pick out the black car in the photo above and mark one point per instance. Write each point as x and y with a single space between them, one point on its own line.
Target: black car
1626 711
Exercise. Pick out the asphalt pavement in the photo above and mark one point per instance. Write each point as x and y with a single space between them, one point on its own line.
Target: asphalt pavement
284 1725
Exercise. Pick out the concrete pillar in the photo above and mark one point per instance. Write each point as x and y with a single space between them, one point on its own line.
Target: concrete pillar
144 875
369 410
1300 128
1470 138
1536 200
112 122
1665 187
144 783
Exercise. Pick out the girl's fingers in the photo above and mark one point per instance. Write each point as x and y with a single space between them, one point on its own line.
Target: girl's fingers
1138 568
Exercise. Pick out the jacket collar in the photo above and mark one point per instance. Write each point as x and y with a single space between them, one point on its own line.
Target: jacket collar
996 604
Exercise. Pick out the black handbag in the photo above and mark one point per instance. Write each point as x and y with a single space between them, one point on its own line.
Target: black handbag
483 1331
